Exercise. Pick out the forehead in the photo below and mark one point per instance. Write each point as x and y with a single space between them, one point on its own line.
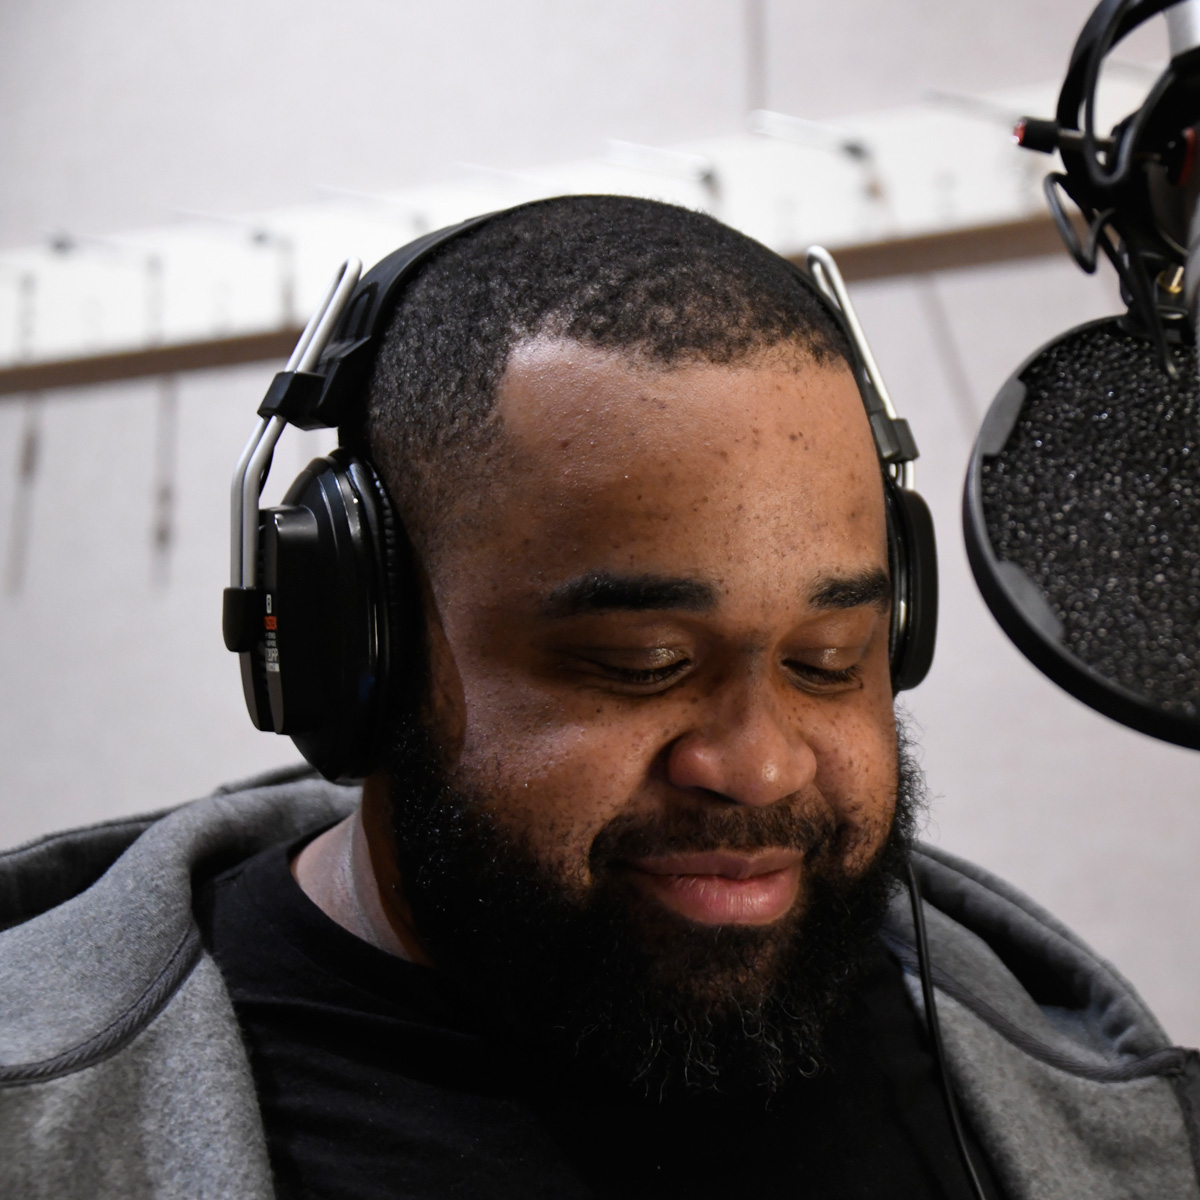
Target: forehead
758 467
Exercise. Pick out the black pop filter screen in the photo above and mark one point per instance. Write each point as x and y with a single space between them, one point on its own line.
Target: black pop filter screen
1082 518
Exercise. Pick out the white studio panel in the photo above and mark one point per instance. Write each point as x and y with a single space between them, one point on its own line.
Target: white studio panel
119 695
920 169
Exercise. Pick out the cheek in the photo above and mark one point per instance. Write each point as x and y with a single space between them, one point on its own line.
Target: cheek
551 774
857 773
551 777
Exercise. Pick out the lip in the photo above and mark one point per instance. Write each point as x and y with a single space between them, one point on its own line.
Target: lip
722 887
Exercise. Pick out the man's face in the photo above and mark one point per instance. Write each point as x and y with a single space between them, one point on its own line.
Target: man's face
659 660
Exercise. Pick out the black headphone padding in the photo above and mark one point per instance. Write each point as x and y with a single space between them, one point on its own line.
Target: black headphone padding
912 551
336 570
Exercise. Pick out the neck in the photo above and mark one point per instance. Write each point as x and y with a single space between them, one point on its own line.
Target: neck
349 874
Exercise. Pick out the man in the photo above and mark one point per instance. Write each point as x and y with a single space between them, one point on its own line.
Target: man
619 912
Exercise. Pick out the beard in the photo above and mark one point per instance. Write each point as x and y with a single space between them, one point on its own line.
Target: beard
613 984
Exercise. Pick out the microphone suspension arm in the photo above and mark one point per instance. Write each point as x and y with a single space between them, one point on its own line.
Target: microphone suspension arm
1137 187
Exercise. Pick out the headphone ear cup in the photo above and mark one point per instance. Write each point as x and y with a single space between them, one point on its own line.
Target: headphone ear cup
330 574
912 551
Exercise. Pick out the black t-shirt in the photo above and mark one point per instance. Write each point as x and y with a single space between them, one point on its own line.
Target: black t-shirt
373 1082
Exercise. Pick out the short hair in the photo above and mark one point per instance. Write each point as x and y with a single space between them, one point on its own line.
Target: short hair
665 285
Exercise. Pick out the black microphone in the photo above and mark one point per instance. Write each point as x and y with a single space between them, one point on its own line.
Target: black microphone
1082 504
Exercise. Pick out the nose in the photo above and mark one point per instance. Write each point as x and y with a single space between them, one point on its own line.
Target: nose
744 750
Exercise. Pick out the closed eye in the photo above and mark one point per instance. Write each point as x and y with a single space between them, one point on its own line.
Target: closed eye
663 665
648 675
825 678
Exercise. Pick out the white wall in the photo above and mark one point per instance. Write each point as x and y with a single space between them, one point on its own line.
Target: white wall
112 114
117 694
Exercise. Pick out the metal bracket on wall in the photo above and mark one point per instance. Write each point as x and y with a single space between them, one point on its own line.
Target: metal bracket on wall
1032 237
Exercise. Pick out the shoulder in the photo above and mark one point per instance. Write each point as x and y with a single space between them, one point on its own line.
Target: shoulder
1071 1083
998 951
97 923
115 1027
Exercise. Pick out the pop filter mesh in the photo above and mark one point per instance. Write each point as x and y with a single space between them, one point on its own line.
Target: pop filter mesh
1096 497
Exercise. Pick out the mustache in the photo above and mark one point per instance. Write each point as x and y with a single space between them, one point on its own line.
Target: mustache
691 830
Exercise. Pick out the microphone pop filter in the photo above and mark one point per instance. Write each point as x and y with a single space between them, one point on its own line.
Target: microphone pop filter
1082 523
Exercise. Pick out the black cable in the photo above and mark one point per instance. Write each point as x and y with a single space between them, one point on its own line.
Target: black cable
935 1030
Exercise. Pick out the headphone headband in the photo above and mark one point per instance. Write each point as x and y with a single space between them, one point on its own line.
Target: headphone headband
322 399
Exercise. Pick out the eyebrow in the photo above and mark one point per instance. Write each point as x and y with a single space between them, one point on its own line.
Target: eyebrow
870 587
604 591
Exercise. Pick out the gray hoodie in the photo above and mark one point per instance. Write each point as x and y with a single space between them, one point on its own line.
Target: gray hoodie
122 1071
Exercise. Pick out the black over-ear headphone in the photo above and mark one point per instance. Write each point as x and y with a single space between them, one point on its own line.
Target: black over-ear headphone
322 607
